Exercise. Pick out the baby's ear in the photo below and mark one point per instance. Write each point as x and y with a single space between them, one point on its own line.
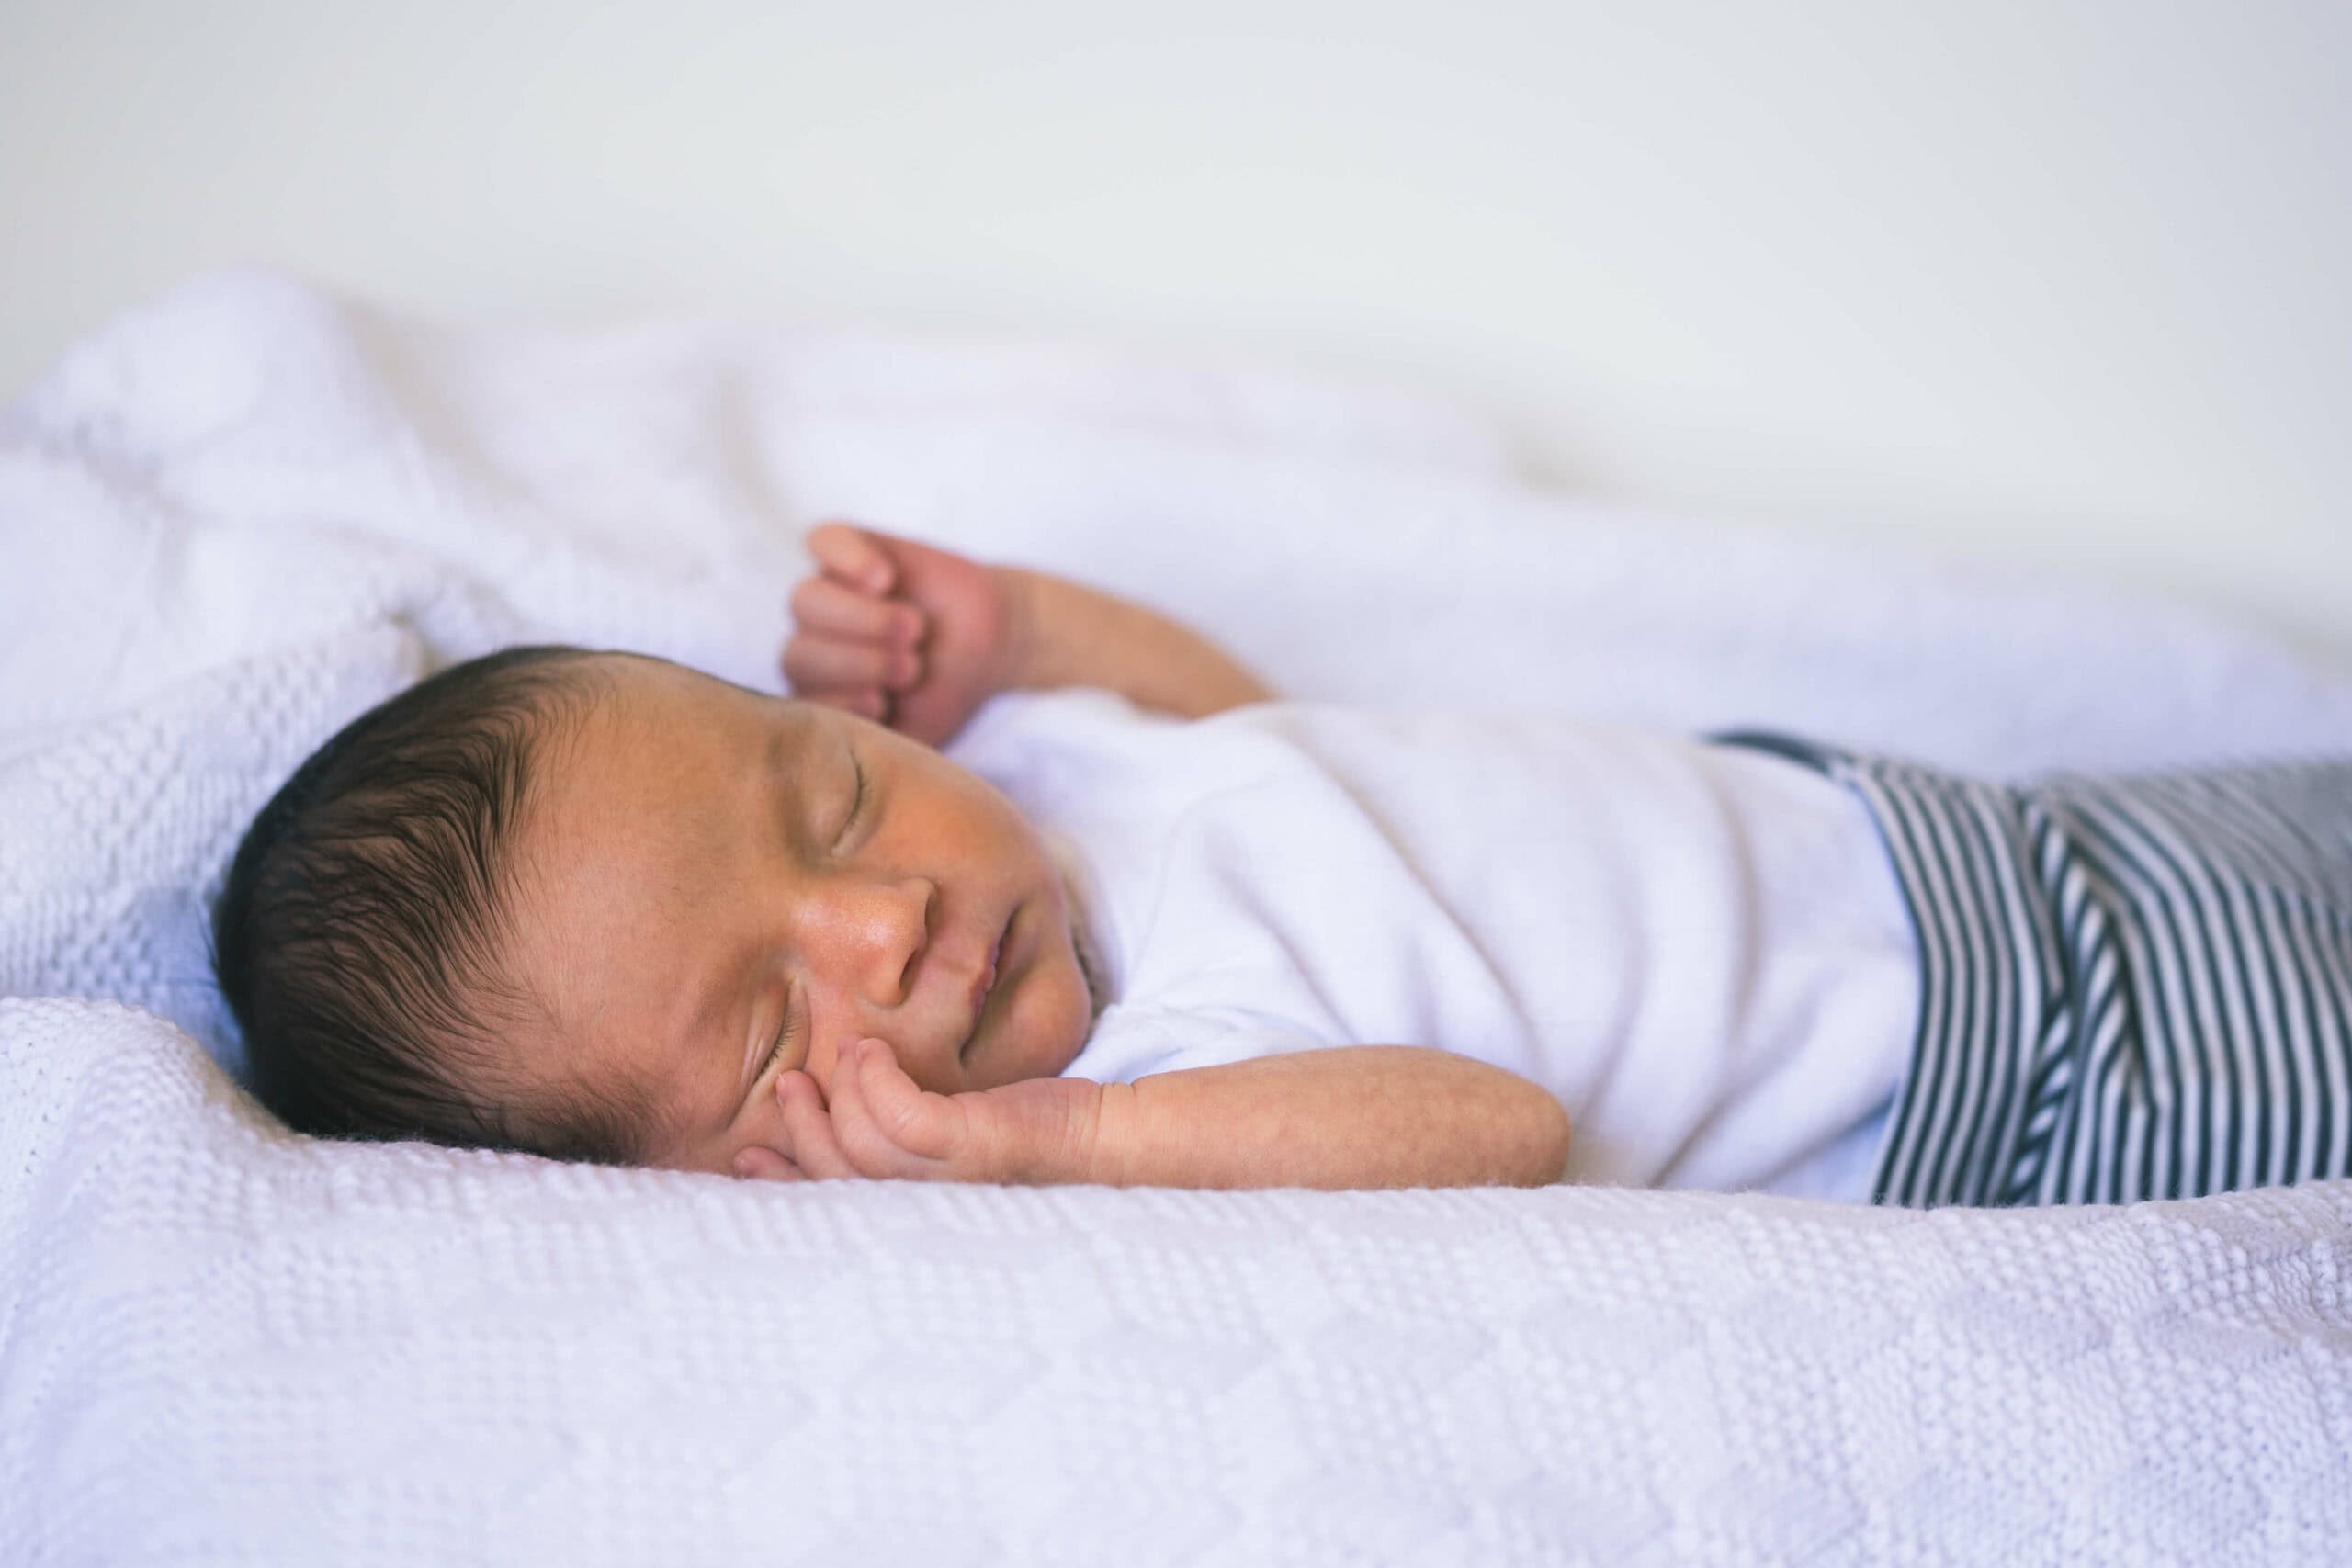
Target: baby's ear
757 1162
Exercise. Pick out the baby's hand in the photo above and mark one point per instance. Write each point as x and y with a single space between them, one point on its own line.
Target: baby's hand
914 637
880 1124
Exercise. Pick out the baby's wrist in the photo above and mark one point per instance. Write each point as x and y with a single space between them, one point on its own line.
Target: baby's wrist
1019 664
1040 1131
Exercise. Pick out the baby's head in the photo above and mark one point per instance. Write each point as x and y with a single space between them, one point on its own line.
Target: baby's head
593 905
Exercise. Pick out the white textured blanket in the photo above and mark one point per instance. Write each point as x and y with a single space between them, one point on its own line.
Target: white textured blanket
237 517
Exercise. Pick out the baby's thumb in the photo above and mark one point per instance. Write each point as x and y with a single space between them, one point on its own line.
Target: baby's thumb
854 555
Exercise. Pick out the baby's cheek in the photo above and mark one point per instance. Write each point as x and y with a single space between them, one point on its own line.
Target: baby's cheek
1051 1025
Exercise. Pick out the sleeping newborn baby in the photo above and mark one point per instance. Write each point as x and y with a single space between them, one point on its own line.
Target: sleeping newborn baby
1141 924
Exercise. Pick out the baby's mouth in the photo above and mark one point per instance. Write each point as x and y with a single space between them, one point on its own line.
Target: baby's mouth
982 988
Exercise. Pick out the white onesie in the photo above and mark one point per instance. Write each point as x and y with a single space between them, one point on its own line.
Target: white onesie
1701 950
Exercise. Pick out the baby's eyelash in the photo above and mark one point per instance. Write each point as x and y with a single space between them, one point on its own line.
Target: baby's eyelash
783 1038
857 800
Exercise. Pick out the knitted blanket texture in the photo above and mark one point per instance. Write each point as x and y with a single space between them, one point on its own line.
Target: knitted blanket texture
238 516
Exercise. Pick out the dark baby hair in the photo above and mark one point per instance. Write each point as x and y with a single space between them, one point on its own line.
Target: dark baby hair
359 940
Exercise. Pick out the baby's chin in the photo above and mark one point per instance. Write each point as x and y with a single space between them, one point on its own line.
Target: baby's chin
1047 1027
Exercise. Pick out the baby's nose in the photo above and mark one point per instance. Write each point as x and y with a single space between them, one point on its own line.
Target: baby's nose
881 927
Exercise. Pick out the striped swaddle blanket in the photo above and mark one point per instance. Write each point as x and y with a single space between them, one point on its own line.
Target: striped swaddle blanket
2129 988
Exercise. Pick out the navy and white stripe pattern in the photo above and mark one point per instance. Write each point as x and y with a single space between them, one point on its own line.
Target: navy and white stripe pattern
2129 988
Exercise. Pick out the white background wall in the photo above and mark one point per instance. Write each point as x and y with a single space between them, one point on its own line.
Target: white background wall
2066 280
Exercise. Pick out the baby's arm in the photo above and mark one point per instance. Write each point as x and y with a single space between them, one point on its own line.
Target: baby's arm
1361 1116
919 638
1347 1117
1077 636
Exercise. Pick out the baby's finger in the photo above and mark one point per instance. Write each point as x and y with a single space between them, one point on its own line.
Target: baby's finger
853 555
923 1125
819 663
871 1145
814 1147
837 610
761 1164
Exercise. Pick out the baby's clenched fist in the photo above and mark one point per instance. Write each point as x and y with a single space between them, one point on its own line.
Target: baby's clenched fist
899 632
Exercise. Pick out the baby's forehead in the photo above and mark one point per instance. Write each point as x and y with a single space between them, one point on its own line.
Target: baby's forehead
631 711
631 691
629 850
661 753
